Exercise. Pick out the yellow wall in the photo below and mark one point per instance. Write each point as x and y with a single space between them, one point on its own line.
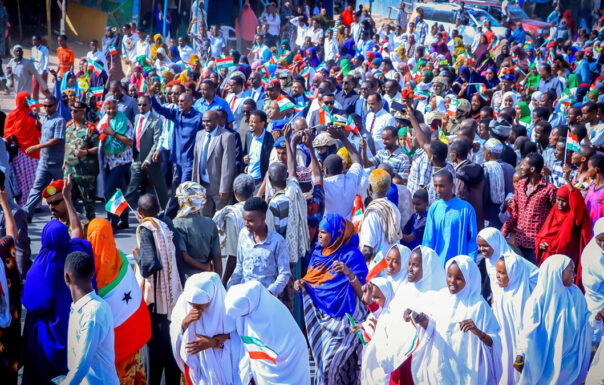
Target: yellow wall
89 23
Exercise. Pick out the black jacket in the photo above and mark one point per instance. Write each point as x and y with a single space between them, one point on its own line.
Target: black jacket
267 147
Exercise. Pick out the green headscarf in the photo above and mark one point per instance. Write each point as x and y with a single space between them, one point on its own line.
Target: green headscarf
409 149
119 124
285 54
429 76
345 66
525 113
573 81
236 55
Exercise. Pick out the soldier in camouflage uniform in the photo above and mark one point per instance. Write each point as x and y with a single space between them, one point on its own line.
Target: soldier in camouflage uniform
81 161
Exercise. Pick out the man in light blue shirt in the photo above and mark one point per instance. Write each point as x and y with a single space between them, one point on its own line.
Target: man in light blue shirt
217 42
209 101
261 253
90 340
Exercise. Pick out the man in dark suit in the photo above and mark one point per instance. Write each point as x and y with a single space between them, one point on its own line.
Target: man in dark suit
319 119
147 132
214 163
257 147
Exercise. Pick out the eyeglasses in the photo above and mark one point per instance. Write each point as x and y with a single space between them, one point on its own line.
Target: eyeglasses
56 202
142 104
328 102
247 112
77 110
49 105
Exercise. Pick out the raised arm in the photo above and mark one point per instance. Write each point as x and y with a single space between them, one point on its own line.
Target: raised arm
77 231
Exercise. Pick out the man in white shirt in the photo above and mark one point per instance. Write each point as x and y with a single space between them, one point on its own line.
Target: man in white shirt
90 341
355 29
301 29
330 46
39 55
315 32
377 119
341 189
184 50
129 41
143 45
235 99
272 19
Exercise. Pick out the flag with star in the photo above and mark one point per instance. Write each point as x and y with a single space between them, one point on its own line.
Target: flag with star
131 320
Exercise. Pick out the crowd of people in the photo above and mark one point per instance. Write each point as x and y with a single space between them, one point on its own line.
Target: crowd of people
383 204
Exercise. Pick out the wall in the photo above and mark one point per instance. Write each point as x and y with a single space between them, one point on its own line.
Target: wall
89 23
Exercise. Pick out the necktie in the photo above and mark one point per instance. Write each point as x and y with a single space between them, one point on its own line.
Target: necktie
233 103
139 131
364 107
254 96
205 155
372 123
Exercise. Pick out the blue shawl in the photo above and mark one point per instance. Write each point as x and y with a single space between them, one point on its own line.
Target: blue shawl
332 292
47 298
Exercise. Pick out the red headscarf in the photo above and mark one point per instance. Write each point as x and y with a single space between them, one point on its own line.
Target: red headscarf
570 22
20 123
347 18
567 232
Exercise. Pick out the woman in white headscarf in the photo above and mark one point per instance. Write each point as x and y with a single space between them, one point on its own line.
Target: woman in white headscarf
276 347
397 260
204 341
510 293
462 344
426 287
592 262
509 99
493 245
554 344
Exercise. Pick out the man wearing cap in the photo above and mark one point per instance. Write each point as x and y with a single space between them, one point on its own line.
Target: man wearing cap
273 91
59 200
499 181
81 161
214 163
22 72
500 130
52 148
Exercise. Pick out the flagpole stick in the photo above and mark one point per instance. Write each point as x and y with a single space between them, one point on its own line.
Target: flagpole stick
565 147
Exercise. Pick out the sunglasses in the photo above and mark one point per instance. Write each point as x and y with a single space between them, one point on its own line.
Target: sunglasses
49 105
142 104
331 103
55 202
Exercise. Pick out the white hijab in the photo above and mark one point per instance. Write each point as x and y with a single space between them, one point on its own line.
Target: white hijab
509 94
592 261
261 316
399 278
211 366
394 337
472 361
508 307
556 337
500 247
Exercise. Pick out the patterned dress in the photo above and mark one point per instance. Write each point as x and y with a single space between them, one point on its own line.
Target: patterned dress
10 337
25 172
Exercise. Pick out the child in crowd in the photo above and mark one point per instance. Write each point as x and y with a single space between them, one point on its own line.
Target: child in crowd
413 232
582 181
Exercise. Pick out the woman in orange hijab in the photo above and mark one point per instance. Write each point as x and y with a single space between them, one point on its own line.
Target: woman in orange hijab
22 128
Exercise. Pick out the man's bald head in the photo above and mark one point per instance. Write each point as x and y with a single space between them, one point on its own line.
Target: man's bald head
148 205
209 120
300 124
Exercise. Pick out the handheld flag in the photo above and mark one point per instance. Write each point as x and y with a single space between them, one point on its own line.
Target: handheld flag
284 103
351 126
357 212
482 91
117 204
377 269
224 62
452 110
325 116
572 143
258 349
358 332
408 144
98 92
32 103
441 136
98 68
112 50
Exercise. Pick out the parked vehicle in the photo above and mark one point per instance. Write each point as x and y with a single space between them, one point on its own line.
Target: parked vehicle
517 15
444 13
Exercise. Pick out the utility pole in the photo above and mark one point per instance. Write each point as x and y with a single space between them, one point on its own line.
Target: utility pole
49 39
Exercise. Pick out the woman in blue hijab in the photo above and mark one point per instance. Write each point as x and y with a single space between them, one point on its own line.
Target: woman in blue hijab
332 290
492 80
474 79
311 55
48 301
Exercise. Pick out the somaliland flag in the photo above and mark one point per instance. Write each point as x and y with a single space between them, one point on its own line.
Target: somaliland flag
325 116
98 68
258 350
351 126
131 320
222 62
572 143
112 50
97 91
117 204
284 103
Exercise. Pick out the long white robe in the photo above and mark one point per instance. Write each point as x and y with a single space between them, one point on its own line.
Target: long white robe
592 263
261 317
450 356
555 338
211 366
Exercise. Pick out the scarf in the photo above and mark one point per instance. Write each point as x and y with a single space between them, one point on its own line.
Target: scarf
496 181
387 216
525 113
191 198
64 84
332 292
119 123
567 232
168 287
21 123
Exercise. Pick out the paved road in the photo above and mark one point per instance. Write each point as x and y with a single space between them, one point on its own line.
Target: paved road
125 239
